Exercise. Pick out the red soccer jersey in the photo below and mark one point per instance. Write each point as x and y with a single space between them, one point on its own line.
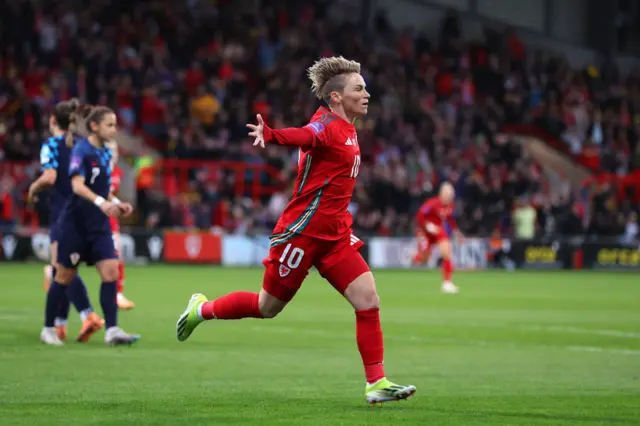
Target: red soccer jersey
329 162
435 213
116 179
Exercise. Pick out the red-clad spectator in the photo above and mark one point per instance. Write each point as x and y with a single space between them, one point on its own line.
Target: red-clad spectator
152 112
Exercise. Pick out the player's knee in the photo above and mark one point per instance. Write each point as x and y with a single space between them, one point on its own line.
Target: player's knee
362 293
269 306
64 276
108 270
110 274
445 249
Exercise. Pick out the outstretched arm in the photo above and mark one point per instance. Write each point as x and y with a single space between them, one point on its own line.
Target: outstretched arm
292 136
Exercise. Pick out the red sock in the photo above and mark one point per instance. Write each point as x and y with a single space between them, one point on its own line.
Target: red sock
447 269
236 305
370 343
120 282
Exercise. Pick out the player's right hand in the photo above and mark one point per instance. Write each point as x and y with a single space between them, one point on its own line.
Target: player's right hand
110 209
257 131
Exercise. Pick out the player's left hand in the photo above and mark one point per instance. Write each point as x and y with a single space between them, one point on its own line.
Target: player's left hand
126 208
257 131
32 196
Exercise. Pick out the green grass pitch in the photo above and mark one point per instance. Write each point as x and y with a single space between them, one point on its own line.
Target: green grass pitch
524 348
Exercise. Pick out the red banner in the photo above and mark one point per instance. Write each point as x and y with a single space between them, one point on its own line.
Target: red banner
192 247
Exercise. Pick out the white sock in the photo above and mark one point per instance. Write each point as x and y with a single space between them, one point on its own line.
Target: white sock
59 322
199 310
377 381
85 314
111 330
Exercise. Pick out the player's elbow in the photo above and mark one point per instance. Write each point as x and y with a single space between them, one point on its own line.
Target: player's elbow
49 177
77 185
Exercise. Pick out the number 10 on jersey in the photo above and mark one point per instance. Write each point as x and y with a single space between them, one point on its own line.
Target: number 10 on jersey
355 169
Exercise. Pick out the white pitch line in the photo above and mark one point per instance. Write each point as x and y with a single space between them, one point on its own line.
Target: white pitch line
549 329
578 330
606 350
328 333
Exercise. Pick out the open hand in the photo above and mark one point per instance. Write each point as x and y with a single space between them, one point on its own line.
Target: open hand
257 131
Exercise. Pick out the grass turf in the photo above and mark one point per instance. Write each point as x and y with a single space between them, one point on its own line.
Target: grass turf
548 348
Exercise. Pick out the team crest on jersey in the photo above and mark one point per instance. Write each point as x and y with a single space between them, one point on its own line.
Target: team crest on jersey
75 258
283 271
193 245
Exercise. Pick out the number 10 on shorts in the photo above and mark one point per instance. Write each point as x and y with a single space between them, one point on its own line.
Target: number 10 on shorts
293 259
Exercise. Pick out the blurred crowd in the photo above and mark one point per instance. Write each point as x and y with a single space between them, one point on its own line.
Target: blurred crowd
188 76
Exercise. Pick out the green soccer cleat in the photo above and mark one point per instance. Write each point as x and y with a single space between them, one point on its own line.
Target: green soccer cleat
189 320
385 391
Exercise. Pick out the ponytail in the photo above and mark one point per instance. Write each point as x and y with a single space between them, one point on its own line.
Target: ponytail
66 118
71 130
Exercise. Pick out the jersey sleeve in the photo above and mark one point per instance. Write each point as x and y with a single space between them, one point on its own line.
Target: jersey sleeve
292 136
426 210
48 158
313 134
76 164
452 222
321 132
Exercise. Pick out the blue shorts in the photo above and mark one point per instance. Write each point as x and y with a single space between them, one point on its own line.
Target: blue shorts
54 233
74 248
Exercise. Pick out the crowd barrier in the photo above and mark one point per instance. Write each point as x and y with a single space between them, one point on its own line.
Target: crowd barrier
182 247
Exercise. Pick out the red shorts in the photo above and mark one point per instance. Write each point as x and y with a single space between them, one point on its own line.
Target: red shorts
427 239
288 264
115 224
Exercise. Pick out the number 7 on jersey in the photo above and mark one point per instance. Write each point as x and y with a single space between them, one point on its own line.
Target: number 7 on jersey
95 172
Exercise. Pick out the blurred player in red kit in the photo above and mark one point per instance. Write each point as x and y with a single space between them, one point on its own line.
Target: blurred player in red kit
116 180
315 228
435 224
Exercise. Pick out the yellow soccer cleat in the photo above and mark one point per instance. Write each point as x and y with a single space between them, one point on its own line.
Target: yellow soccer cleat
384 391
189 319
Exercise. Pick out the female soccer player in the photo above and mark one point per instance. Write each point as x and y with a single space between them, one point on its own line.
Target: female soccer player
84 222
54 158
315 228
435 225
116 178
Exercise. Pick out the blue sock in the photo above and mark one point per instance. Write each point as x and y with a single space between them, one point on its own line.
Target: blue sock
54 295
108 295
62 310
77 293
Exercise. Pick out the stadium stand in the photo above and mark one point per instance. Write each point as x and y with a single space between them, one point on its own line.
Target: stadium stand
187 76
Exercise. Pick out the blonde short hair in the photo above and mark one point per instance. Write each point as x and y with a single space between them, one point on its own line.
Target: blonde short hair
328 75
